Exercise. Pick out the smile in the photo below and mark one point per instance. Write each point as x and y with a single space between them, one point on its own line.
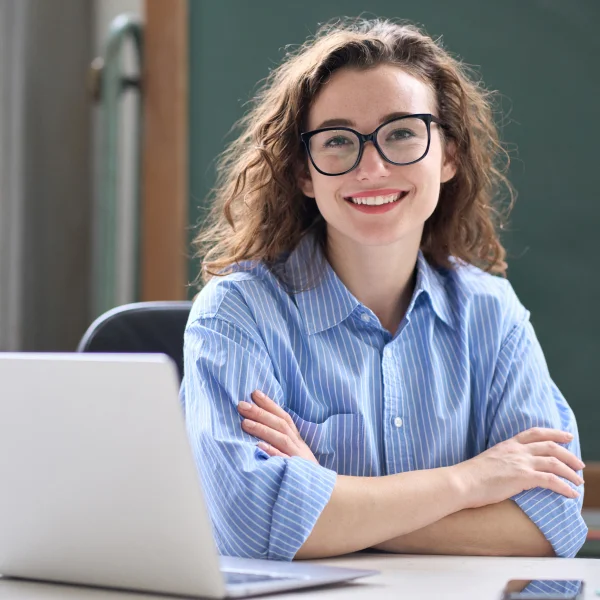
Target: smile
377 200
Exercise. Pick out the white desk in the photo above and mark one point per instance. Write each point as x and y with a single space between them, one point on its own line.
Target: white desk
402 577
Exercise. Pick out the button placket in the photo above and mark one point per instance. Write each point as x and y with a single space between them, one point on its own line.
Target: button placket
392 388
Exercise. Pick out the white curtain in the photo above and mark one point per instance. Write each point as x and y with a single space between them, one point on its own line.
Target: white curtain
12 50
45 192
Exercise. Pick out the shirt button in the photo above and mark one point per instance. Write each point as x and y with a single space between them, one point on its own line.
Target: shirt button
398 422
365 317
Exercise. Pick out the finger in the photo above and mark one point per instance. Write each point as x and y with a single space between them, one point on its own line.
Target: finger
551 464
265 402
550 481
553 449
278 440
260 415
542 434
270 450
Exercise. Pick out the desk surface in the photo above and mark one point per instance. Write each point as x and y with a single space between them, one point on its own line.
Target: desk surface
402 577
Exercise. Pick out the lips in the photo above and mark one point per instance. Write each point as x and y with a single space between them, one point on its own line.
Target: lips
377 198
375 192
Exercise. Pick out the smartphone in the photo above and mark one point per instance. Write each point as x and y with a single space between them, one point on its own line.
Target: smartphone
543 589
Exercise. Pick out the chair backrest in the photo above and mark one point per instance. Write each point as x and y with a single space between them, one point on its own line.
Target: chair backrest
140 327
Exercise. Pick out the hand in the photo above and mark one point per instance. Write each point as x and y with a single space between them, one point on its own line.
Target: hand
267 421
531 459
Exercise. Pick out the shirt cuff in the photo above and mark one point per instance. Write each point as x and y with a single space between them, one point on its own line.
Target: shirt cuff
304 492
557 517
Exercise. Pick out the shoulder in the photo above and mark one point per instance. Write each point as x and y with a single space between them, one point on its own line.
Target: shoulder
481 298
240 297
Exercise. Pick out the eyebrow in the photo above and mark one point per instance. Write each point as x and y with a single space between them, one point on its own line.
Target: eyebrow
349 123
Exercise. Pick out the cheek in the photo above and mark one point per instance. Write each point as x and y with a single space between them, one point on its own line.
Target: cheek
426 175
318 182
326 202
424 179
325 188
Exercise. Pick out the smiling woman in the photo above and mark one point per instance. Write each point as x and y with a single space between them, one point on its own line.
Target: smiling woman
354 377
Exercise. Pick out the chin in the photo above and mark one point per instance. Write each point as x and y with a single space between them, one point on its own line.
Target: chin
404 227
377 237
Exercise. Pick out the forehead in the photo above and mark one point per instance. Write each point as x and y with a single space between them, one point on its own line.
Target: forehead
364 97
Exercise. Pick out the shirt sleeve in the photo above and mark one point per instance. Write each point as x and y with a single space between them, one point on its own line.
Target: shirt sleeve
260 506
523 396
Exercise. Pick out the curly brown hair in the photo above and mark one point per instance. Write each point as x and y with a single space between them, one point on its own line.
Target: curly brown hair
258 211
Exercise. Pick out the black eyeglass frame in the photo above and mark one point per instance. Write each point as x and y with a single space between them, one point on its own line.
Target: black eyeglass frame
427 118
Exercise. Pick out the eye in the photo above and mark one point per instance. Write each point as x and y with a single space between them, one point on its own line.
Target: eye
398 135
337 141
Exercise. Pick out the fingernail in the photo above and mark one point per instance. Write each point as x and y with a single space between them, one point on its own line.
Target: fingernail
248 423
575 493
243 405
259 394
569 436
582 464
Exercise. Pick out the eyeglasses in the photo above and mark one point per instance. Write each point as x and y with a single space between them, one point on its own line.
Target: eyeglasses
401 141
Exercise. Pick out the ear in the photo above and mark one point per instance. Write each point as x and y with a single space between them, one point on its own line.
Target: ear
305 181
449 163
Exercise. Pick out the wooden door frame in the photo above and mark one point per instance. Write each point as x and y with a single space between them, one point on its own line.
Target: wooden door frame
165 197
591 474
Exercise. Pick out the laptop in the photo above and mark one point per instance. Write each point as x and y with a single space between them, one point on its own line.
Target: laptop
100 488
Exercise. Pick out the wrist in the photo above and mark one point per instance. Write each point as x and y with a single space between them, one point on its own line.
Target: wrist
459 486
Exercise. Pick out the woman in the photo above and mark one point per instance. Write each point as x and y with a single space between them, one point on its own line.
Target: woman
355 374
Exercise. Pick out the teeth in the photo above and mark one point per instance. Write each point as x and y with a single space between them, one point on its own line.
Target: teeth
377 200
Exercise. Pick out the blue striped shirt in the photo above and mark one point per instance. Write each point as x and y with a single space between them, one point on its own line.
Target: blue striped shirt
463 372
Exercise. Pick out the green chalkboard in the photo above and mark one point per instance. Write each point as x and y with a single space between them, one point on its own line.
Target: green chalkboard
543 56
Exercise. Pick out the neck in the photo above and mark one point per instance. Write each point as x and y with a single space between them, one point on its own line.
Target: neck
380 277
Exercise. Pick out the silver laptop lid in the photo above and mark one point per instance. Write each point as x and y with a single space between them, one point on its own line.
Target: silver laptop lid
71 478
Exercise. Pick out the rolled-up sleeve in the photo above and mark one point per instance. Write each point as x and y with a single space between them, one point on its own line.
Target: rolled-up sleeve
260 506
523 396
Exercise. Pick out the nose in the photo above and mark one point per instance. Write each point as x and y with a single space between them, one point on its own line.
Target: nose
372 165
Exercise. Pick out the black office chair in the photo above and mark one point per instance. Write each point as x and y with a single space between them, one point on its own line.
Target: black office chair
140 327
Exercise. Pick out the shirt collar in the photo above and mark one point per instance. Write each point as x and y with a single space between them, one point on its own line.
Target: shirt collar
433 283
325 302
